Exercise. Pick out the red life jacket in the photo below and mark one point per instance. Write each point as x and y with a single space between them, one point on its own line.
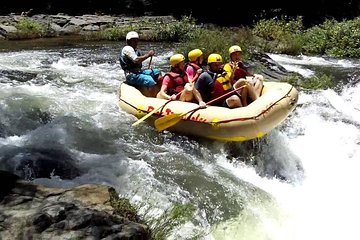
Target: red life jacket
178 82
193 65
241 72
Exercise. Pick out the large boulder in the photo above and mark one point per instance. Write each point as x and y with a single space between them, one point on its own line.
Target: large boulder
29 211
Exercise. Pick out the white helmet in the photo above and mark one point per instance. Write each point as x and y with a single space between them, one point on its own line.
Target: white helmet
131 35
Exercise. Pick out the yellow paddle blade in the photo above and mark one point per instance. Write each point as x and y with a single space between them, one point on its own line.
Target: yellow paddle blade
146 116
168 121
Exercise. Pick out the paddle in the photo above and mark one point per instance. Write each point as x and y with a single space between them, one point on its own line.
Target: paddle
172 119
150 62
157 109
153 111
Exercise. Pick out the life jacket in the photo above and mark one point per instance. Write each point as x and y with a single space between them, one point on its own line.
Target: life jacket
128 65
240 72
178 82
221 85
194 66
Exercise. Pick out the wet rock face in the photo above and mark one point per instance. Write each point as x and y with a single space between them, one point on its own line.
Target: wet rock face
29 211
271 70
62 24
44 163
31 163
8 181
16 75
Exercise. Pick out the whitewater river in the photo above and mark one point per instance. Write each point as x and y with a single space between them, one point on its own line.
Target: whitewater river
60 126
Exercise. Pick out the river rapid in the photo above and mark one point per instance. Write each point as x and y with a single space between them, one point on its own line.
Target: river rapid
60 126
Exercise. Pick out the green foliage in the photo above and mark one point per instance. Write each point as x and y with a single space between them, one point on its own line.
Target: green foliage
111 33
336 39
318 81
217 40
275 29
162 226
315 40
293 79
28 29
27 24
345 39
123 207
175 31
279 36
175 216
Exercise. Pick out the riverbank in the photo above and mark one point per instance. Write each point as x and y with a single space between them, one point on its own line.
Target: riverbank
15 27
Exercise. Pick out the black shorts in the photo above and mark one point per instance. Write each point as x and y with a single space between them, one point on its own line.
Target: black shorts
224 103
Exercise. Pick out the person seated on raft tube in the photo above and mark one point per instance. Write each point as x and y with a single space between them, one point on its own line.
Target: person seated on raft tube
194 65
131 62
175 84
238 71
216 82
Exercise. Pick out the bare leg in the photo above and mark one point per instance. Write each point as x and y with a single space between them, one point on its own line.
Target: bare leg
243 92
252 93
257 82
244 96
186 96
233 102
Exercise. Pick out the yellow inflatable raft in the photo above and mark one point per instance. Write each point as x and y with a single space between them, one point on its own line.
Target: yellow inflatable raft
277 101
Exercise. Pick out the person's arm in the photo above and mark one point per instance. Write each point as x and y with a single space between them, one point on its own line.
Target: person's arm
193 75
142 58
198 97
230 71
197 75
130 53
162 93
190 74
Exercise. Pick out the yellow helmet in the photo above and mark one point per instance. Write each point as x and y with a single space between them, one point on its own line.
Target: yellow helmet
234 48
176 59
194 54
214 57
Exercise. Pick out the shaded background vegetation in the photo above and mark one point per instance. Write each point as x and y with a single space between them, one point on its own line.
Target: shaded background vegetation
227 13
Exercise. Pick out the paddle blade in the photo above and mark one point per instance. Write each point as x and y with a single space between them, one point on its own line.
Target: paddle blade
168 121
145 117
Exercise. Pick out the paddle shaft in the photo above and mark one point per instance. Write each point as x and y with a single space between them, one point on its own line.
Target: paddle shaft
153 111
150 62
217 99
172 119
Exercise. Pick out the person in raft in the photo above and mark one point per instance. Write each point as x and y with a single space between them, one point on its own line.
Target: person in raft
239 71
216 82
131 62
175 84
194 65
